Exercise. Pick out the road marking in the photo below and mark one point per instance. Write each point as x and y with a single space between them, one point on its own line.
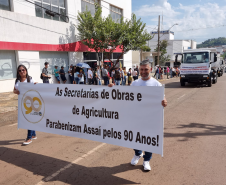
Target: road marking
69 165
181 96
12 125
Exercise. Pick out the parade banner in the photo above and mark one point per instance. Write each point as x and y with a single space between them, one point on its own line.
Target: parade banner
125 116
194 68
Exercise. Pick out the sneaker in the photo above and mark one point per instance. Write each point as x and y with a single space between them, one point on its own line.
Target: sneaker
27 142
147 166
135 159
34 137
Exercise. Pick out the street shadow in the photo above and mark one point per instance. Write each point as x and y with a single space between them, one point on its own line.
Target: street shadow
12 142
73 174
210 130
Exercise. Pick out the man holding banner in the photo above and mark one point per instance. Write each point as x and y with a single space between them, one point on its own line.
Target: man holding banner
145 80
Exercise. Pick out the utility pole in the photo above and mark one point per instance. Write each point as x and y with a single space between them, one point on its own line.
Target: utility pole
158 40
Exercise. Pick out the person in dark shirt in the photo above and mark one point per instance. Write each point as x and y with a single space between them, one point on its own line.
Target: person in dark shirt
62 75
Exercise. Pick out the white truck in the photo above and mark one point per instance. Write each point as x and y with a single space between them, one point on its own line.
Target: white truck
199 66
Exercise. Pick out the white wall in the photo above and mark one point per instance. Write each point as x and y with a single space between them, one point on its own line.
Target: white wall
22 26
31 60
75 57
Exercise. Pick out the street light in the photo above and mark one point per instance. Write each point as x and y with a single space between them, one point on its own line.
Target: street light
172 26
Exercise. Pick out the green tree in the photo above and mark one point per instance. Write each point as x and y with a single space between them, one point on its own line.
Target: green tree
105 35
212 42
145 48
163 57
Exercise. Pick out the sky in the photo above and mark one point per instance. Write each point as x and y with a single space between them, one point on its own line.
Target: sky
194 17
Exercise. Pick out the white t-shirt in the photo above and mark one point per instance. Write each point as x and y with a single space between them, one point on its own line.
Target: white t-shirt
134 73
150 82
81 78
25 81
90 74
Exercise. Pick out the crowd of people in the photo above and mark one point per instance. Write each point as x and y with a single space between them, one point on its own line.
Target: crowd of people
101 75
168 71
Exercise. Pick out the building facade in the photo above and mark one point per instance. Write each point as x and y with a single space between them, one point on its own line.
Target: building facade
174 46
30 36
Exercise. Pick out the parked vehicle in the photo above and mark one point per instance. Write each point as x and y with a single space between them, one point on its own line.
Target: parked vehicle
199 66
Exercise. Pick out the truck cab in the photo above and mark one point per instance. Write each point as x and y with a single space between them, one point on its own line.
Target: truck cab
198 66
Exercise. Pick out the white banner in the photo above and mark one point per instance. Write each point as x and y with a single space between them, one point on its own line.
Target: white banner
194 68
125 116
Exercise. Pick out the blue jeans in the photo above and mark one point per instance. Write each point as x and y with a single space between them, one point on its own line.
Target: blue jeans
105 80
99 81
76 80
71 79
46 81
117 82
147 156
124 81
58 78
30 133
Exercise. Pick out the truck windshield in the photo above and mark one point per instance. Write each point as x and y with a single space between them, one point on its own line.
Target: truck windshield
199 57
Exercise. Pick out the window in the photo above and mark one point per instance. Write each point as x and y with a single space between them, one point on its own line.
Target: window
116 13
57 6
89 5
54 58
91 59
199 57
4 5
8 68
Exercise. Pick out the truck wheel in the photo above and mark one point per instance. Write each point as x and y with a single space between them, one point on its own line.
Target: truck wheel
182 83
210 83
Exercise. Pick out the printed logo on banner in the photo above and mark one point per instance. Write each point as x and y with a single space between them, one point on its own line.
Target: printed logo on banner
33 107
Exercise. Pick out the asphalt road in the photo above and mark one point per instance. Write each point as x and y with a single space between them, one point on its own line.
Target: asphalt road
194 148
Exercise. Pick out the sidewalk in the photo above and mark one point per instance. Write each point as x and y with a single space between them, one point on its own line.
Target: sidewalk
8 108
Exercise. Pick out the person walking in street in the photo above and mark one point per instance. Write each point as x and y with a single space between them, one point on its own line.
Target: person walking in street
71 74
45 73
90 76
171 72
157 73
76 77
117 77
23 77
145 80
105 75
134 74
167 72
137 70
129 74
56 73
62 75
98 75
95 77
112 76
122 75
125 76
81 76
174 72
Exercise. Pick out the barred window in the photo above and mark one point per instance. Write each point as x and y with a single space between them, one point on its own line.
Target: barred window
57 6
4 5
89 5
116 13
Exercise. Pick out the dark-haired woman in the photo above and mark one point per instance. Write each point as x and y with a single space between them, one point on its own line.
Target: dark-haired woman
129 74
23 77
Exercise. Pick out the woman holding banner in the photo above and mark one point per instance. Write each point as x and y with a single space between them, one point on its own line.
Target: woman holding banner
23 77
